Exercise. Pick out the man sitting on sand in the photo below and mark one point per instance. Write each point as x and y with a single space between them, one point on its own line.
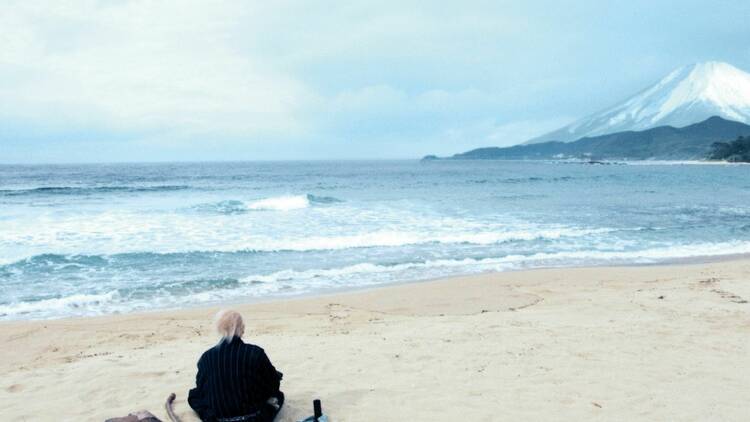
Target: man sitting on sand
236 382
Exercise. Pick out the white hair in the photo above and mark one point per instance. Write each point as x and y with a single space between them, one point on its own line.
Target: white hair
229 324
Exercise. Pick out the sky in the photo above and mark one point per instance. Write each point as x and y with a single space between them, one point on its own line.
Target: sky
121 80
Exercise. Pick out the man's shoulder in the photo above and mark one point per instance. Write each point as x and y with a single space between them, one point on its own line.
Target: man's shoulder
207 354
253 348
254 353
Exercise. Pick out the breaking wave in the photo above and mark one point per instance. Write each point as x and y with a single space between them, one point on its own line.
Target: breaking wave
86 240
67 305
275 203
508 262
266 244
168 294
279 203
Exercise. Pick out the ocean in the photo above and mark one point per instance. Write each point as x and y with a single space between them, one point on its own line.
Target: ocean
78 240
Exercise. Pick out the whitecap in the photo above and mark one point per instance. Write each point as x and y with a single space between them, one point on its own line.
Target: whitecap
64 305
280 203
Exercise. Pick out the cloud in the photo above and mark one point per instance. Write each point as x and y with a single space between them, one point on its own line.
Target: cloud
112 80
140 67
174 74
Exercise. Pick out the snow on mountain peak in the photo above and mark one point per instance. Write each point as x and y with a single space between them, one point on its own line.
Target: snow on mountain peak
687 95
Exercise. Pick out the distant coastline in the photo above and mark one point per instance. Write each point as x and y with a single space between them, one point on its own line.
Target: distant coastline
695 142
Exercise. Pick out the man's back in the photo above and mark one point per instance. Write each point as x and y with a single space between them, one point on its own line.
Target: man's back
234 379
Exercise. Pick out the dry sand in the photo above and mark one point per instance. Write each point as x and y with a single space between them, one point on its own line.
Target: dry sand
651 343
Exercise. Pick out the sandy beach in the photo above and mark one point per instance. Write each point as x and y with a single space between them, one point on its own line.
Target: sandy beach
644 343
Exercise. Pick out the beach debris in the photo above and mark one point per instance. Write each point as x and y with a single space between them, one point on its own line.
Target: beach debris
139 416
318 415
661 297
170 411
596 404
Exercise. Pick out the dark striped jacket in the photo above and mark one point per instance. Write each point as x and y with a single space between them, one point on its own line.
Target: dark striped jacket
234 379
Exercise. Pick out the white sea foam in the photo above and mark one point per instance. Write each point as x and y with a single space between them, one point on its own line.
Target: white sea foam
324 228
71 305
328 276
289 282
280 203
231 234
395 238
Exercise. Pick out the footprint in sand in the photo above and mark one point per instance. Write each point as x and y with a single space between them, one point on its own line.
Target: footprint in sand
337 312
729 296
709 281
14 388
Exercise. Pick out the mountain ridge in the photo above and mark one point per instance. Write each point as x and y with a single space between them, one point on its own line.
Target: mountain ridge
691 142
686 95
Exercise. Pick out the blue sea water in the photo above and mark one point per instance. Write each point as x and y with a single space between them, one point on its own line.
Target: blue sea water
93 239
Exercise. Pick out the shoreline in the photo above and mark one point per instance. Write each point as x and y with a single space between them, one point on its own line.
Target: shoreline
243 301
553 344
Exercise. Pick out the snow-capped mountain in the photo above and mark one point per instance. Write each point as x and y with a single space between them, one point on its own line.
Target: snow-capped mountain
687 95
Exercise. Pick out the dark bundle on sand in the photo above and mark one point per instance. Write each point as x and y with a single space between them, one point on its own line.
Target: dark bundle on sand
146 416
140 416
